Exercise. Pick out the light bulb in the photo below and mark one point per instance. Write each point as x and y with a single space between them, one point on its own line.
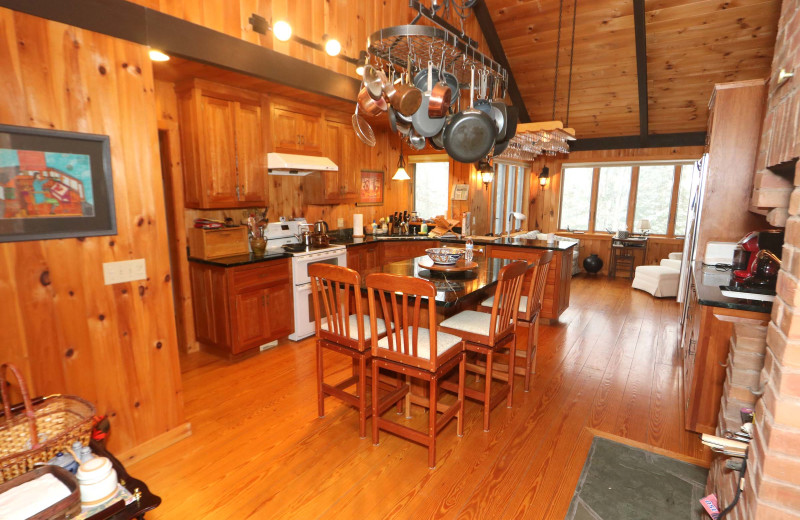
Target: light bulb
158 55
401 175
360 70
282 30
333 47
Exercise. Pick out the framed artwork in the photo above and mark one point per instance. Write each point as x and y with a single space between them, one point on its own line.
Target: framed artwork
371 192
54 184
460 191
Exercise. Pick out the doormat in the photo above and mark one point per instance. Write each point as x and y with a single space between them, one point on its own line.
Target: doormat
620 482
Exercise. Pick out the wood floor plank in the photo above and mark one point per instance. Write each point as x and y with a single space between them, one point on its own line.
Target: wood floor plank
258 450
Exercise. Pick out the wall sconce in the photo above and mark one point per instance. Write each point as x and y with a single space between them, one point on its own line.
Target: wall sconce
784 76
485 171
401 174
283 32
543 177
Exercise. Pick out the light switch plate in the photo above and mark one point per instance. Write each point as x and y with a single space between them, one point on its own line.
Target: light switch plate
340 222
124 271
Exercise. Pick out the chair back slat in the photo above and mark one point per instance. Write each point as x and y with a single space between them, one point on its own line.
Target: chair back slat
332 286
536 288
398 300
506 300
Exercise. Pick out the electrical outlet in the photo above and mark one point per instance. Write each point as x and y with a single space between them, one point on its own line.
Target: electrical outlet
340 222
473 219
124 271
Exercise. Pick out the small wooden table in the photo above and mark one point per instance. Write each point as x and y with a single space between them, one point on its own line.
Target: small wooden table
623 253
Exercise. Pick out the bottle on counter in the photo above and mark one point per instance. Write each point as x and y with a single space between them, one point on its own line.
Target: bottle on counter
469 248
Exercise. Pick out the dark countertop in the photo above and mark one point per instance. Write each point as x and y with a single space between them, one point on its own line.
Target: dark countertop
237 260
451 288
707 283
345 238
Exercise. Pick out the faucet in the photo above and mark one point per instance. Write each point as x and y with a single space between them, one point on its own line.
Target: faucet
520 217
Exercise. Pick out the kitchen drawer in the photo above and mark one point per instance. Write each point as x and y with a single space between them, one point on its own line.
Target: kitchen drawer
262 274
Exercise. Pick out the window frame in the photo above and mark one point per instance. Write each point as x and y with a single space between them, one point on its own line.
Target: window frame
525 170
634 188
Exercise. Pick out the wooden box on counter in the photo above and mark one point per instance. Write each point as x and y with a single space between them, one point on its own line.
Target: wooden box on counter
215 243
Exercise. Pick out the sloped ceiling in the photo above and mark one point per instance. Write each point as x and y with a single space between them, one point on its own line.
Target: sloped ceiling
691 45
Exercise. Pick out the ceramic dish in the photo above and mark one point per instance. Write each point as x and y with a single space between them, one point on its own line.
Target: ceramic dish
444 255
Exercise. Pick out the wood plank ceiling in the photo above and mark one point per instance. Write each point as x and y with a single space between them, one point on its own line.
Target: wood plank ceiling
691 45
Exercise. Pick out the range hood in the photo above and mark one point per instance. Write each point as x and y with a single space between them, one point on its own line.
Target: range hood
290 164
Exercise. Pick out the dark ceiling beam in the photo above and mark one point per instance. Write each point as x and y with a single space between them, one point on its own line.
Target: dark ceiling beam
641 65
636 141
177 37
496 48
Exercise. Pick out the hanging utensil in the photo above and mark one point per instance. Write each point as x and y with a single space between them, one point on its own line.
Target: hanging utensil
372 81
424 124
406 99
470 135
370 106
441 95
362 129
416 141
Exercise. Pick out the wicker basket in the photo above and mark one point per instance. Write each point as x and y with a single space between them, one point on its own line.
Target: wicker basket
39 432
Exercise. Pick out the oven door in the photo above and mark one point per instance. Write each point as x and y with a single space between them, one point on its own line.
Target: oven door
300 264
304 325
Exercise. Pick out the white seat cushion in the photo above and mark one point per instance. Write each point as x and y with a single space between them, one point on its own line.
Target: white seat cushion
672 264
470 321
657 280
675 256
353 319
444 342
523 303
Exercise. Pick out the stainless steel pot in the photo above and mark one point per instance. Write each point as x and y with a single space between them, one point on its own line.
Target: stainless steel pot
320 227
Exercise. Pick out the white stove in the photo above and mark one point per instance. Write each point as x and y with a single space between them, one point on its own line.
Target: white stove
279 234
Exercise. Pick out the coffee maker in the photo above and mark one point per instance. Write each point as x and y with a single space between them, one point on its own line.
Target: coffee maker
750 266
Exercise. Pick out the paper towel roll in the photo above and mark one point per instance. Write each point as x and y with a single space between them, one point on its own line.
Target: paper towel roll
358 225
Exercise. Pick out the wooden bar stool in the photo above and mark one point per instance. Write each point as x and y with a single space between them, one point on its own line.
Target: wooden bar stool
411 350
335 290
530 306
488 334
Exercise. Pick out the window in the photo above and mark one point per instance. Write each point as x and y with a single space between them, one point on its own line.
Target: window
508 194
431 184
609 197
576 198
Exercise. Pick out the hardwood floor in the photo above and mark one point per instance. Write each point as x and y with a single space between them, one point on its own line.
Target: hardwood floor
609 367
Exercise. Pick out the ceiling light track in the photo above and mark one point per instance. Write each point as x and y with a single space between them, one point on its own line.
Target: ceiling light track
261 25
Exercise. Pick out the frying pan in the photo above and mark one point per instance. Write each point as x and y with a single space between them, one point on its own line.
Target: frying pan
511 130
424 124
421 82
373 82
436 141
392 119
470 135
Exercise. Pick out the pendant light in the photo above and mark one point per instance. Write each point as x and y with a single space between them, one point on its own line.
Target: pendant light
401 174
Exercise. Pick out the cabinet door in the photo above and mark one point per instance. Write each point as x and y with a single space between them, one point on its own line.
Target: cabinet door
250 154
250 320
279 310
286 129
218 149
310 140
372 256
354 257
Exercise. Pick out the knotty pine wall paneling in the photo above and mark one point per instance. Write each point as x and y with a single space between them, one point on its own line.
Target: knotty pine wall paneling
114 345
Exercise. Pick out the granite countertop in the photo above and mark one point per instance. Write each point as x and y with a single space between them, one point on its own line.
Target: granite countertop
346 238
707 284
451 288
237 260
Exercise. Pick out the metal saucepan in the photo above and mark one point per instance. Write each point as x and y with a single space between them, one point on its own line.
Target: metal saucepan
437 142
416 141
373 82
424 124
470 135
406 98
370 106
421 81
441 97
403 128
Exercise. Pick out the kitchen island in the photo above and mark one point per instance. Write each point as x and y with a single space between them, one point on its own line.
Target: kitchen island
366 253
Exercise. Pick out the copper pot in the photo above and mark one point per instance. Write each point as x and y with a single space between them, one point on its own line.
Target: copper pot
439 103
406 98
368 105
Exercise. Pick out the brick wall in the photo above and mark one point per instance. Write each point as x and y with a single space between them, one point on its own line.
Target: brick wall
772 490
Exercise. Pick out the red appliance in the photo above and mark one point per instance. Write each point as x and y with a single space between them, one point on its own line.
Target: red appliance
745 254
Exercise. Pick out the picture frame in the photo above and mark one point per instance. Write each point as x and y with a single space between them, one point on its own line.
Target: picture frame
54 184
371 189
460 191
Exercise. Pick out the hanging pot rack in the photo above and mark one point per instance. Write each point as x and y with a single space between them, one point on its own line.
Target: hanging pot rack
402 46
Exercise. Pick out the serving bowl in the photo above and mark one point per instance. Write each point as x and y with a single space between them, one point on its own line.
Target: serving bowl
445 255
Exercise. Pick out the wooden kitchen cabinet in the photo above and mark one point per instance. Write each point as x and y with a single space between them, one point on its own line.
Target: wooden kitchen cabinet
394 251
705 344
241 308
222 137
559 276
339 144
366 256
296 128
